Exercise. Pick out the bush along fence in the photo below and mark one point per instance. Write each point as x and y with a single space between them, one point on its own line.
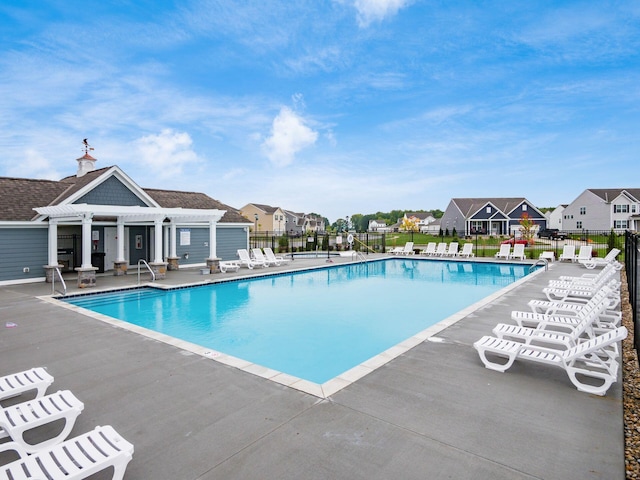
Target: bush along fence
484 245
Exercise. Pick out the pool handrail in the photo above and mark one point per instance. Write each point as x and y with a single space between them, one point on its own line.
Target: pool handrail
144 262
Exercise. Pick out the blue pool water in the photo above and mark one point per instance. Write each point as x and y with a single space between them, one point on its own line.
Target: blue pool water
313 325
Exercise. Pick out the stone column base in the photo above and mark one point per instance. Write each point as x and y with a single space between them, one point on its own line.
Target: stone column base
159 269
120 268
49 272
173 263
213 264
86 276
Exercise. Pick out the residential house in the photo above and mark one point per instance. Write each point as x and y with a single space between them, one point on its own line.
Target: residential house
555 216
100 220
489 216
604 209
377 226
266 218
422 219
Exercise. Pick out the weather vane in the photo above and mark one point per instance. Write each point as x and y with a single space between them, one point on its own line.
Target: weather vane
87 147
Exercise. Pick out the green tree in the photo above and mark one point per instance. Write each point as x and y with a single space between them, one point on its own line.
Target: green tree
612 240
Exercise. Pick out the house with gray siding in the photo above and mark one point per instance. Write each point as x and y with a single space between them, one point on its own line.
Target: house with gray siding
604 209
489 216
101 220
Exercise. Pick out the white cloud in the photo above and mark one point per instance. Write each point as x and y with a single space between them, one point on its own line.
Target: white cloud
289 135
168 152
33 165
370 11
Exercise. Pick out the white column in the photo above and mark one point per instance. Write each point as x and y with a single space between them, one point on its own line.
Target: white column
173 239
120 239
212 238
53 242
165 241
86 240
158 239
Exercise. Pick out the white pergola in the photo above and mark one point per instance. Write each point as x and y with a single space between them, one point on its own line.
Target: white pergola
126 214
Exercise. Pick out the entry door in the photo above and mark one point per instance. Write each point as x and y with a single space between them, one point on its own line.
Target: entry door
110 247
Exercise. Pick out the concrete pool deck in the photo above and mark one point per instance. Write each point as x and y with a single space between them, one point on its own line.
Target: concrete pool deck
432 412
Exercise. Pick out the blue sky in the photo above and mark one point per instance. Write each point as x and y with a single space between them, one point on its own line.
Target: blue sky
328 106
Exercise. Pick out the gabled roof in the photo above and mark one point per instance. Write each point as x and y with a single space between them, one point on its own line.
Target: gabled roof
610 194
419 215
19 196
469 206
194 200
268 209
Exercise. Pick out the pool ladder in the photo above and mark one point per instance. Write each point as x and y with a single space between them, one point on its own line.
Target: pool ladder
540 261
144 262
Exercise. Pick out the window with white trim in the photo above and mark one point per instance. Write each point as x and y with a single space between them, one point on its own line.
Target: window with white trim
524 208
621 209
583 210
621 224
578 224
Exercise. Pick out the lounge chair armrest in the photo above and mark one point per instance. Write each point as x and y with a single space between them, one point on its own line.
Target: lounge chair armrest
16 447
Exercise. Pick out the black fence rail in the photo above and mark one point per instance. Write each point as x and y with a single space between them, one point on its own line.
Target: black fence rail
632 244
601 242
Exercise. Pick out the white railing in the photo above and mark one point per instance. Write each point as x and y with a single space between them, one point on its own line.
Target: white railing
144 262
56 271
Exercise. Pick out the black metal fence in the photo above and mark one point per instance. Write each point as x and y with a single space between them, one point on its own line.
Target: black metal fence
632 244
601 242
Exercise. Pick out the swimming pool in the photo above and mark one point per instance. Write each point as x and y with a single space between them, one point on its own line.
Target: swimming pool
312 325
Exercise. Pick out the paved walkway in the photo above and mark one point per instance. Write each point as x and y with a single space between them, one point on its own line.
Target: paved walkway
434 412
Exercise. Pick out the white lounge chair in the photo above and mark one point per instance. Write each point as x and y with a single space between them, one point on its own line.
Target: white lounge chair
609 259
258 256
430 250
568 253
22 382
505 251
584 253
453 250
396 250
591 359
441 250
408 249
595 311
18 419
572 306
467 251
273 257
518 252
229 265
580 292
246 260
73 459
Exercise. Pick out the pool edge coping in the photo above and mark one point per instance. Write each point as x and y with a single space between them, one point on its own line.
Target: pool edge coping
324 390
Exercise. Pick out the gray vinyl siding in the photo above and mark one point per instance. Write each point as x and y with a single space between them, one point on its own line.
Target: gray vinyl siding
453 217
229 241
23 247
111 192
597 217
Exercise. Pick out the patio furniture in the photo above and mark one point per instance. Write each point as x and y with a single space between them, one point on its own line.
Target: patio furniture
584 253
430 250
441 250
568 253
229 265
18 419
273 257
258 256
22 382
73 459
505 251
467 251
246 260
518 252
591 359
609 259
453 250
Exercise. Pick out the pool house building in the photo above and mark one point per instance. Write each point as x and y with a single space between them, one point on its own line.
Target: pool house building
100 220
